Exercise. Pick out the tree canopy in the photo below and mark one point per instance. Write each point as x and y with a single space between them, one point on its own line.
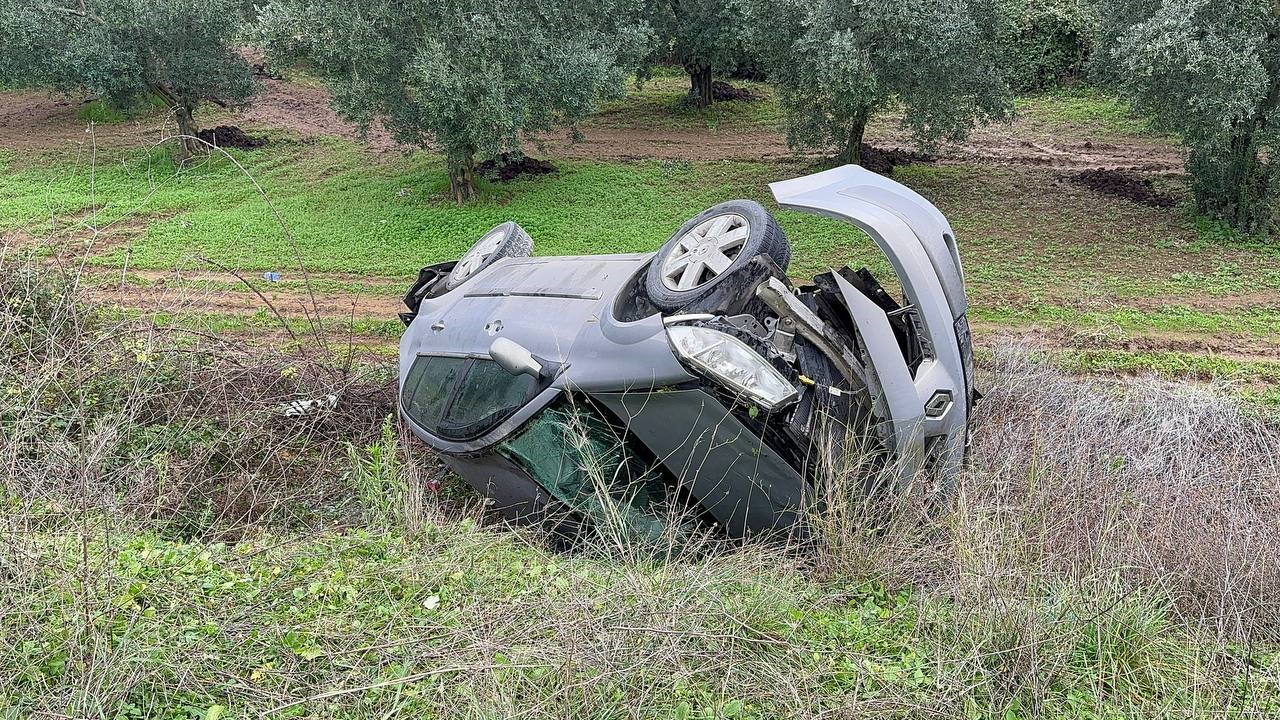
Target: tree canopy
837 63
126 50
1208 70
471 77
704 36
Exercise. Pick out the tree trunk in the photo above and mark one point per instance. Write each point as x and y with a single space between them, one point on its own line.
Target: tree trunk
182 111
851 153
700 79
462 182
188 144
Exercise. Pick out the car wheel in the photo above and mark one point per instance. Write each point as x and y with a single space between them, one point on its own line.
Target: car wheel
710 248
505 240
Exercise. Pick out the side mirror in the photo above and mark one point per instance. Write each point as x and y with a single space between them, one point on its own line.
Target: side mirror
515 358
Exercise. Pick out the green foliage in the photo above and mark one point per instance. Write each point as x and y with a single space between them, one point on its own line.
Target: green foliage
462 621
1047 42
378 475
348 213
704 36
836 64
124 51
472 77
1208 70
1081 108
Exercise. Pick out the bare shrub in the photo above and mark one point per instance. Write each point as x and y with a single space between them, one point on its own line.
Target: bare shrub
176 426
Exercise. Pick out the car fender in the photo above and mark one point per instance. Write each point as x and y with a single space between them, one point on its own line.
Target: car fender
920 245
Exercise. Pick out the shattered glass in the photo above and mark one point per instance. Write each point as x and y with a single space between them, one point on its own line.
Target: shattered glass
585 463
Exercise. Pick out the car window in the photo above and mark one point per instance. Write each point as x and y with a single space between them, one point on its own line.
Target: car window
427 388
487 396
462 398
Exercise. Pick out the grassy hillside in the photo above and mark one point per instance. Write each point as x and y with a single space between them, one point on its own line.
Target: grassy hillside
176 547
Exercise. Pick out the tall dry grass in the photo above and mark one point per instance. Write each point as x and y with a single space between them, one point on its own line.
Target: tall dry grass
1085 486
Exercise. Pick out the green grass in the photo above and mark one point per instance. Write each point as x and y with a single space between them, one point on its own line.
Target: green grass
351 213
662 102
460 621
1082 109
99 112
1259 322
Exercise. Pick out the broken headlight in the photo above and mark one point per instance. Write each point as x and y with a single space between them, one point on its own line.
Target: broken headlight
730 361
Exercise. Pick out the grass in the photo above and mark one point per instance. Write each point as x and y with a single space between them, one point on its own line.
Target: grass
1258 322
1082 109
461 621
661 102
99 112
383 219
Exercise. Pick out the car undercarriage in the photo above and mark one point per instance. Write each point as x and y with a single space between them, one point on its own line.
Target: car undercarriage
696 384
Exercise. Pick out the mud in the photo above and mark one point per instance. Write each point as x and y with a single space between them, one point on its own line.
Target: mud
884 160
1124 185
508 166
230 136
291 304
722 91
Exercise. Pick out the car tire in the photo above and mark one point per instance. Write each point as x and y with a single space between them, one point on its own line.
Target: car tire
711 247
504 241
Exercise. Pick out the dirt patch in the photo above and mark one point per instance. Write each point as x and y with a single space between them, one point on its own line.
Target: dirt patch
1124 185
306 110
225 302
230 136
1057 337
509 166
884 160
722 91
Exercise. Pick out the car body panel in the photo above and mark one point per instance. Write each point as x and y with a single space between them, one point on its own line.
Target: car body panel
920 246
733 474
914 361
561 310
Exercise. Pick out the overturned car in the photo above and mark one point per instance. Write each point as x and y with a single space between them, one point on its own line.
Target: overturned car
696 381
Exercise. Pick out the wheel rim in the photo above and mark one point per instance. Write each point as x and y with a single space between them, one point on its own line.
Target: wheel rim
706 252
477 255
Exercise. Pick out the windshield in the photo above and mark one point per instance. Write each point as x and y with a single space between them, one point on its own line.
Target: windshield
462 398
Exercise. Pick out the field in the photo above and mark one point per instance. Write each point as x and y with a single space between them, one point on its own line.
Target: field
1113 553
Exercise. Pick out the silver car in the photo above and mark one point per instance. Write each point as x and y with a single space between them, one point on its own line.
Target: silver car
574 390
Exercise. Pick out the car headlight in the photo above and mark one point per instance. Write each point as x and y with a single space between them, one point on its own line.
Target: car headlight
729 360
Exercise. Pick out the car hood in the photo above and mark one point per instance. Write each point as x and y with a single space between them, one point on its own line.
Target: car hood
562 310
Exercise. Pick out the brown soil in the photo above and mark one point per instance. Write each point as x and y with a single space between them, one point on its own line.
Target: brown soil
884 160
35 120
722 91
1124 185
508 166
230 136
290 304
1001 146
1238 348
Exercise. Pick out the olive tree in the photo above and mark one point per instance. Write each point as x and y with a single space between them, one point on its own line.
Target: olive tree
837 63
470 77
704 36
124 51
1208 70
1047 41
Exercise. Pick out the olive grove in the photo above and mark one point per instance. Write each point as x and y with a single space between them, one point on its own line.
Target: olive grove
125 51
472 78
1209 71
836 64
